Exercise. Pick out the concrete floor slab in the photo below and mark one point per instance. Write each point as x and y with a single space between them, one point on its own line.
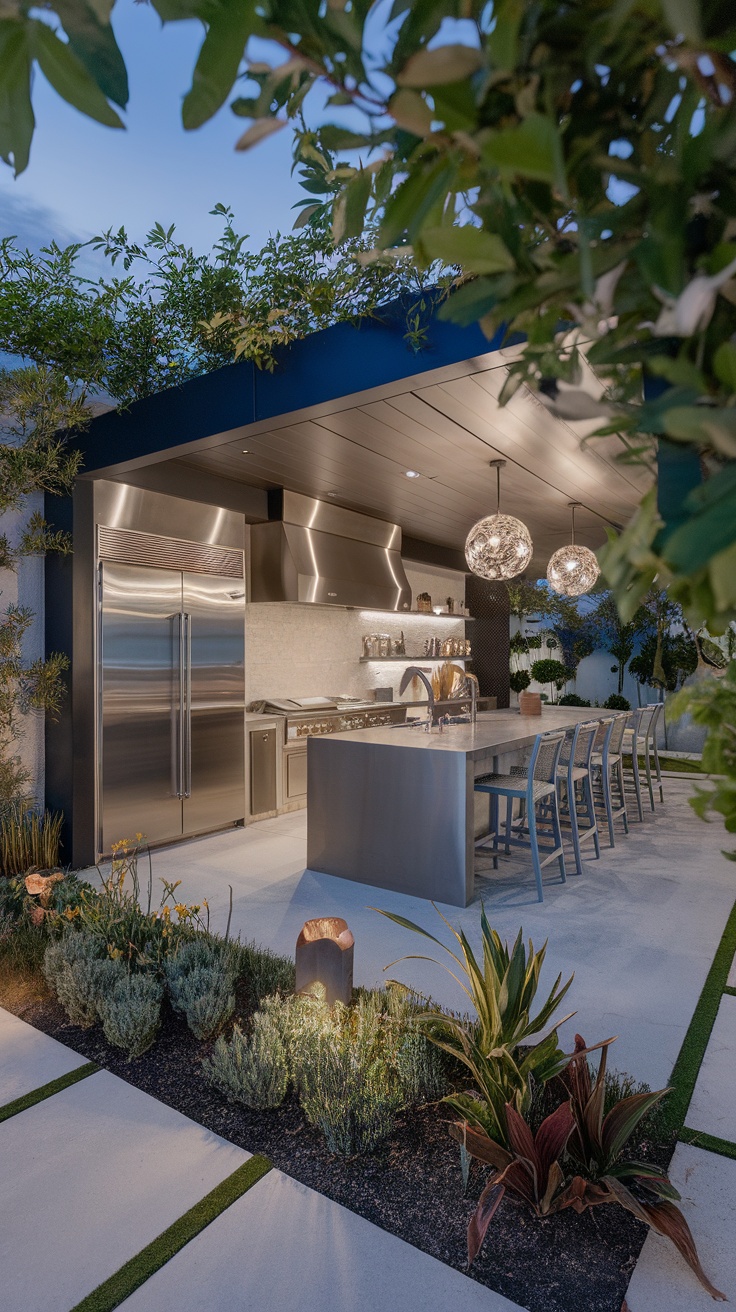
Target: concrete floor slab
639 928
29 1058
284 1246
713 1105
88 1178
662 1282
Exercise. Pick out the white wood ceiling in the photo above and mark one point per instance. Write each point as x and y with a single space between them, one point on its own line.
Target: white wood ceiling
447 426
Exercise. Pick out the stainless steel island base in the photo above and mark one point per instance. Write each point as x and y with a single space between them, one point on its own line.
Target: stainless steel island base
395 808
370 819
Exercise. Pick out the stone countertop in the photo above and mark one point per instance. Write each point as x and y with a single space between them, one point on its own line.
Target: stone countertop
494 732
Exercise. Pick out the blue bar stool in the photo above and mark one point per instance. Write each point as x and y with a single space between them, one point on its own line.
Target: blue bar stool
609 770
574 780
536 791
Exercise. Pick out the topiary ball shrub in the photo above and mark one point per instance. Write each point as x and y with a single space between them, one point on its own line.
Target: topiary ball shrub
549 671
572 699
519 680
616 703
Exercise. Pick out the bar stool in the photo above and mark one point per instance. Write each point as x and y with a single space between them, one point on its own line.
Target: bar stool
641 739
606 759
537 789
574 775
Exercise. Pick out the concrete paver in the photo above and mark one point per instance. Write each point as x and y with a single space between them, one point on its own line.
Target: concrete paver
29 1058
662 1282
284 1246
88 1178
732 975
713 1105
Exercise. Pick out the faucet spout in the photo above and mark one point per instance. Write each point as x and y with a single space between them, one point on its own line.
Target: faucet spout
474 690
414 672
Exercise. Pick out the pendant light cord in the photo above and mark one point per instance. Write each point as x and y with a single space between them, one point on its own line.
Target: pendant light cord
572 509
498 489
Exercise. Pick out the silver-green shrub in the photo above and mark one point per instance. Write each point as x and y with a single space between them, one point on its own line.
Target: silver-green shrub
129 1006
266 972
73 966
201 982
252 1070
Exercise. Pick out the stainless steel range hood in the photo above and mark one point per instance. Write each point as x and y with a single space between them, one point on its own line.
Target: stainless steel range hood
312 552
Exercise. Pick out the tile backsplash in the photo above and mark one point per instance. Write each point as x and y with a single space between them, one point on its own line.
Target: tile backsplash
304 651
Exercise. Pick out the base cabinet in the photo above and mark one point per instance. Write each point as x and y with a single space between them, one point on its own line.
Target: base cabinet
295 775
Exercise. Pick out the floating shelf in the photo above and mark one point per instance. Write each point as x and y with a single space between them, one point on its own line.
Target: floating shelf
410 660
398 614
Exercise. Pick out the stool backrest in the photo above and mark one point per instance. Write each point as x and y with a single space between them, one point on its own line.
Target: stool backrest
616 733
583 740
657 709
545 757
644 719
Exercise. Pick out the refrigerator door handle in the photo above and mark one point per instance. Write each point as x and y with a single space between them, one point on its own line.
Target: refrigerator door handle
181 711
187 630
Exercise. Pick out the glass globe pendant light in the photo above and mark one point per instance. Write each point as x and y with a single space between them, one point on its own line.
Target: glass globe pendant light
572 570
499 546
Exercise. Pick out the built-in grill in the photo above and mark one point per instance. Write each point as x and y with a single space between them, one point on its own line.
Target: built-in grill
307 716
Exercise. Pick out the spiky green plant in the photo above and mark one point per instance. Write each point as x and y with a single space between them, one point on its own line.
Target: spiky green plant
28 838
494 1047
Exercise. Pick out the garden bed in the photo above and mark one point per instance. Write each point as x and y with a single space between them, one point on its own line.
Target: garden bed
410 1185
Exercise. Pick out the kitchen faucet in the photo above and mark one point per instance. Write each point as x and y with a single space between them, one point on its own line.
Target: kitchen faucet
414 672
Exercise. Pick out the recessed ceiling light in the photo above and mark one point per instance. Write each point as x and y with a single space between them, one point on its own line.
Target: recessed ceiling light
412 473
246 451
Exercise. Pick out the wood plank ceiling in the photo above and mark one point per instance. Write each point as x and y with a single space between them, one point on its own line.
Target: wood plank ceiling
448 431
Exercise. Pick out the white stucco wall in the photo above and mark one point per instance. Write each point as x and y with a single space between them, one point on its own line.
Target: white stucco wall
25 587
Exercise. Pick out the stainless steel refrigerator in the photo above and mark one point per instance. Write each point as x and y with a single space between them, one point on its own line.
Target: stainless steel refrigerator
171 703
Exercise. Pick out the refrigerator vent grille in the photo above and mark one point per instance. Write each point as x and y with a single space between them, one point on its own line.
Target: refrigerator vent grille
132 548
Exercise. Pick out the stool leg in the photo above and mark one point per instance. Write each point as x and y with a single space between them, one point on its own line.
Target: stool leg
648 765
557 835
590 812
494 827
637 780
606 785
532 821
622 793
573 808
657 768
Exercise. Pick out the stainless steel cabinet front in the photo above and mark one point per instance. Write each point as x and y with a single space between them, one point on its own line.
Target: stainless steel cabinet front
140 716
295 782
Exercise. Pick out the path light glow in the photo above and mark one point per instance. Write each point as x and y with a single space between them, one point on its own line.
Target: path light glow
499 546
572 570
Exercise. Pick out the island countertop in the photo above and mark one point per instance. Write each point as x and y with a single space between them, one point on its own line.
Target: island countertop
395 806
494 733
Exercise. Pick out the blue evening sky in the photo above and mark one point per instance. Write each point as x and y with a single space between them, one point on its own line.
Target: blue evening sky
84 178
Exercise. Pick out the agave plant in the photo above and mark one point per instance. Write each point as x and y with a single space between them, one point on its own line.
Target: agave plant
495 1047
577 1159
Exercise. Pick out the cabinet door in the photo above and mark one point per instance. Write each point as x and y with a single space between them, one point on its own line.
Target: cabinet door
140 784
296 774
214 775
262 771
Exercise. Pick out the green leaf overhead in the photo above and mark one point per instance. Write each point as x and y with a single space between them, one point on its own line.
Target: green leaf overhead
16 113
438 66
230 24
472 248
68 75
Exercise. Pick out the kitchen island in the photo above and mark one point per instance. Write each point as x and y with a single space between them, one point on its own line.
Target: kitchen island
395 807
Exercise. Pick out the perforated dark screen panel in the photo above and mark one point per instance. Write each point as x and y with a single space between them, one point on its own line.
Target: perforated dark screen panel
489 603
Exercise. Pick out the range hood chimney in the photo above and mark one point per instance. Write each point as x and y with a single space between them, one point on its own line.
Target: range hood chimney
313 552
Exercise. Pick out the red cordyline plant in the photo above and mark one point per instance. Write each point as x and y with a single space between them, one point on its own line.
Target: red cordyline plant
577 1159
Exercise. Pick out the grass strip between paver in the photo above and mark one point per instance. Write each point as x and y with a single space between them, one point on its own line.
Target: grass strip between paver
113 1291
690 1058
47 1090
730 991
710 1142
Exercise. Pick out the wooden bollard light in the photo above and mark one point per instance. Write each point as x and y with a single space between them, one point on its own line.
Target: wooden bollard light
324 960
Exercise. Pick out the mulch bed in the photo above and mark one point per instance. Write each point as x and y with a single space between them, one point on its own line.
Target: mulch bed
411 1185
